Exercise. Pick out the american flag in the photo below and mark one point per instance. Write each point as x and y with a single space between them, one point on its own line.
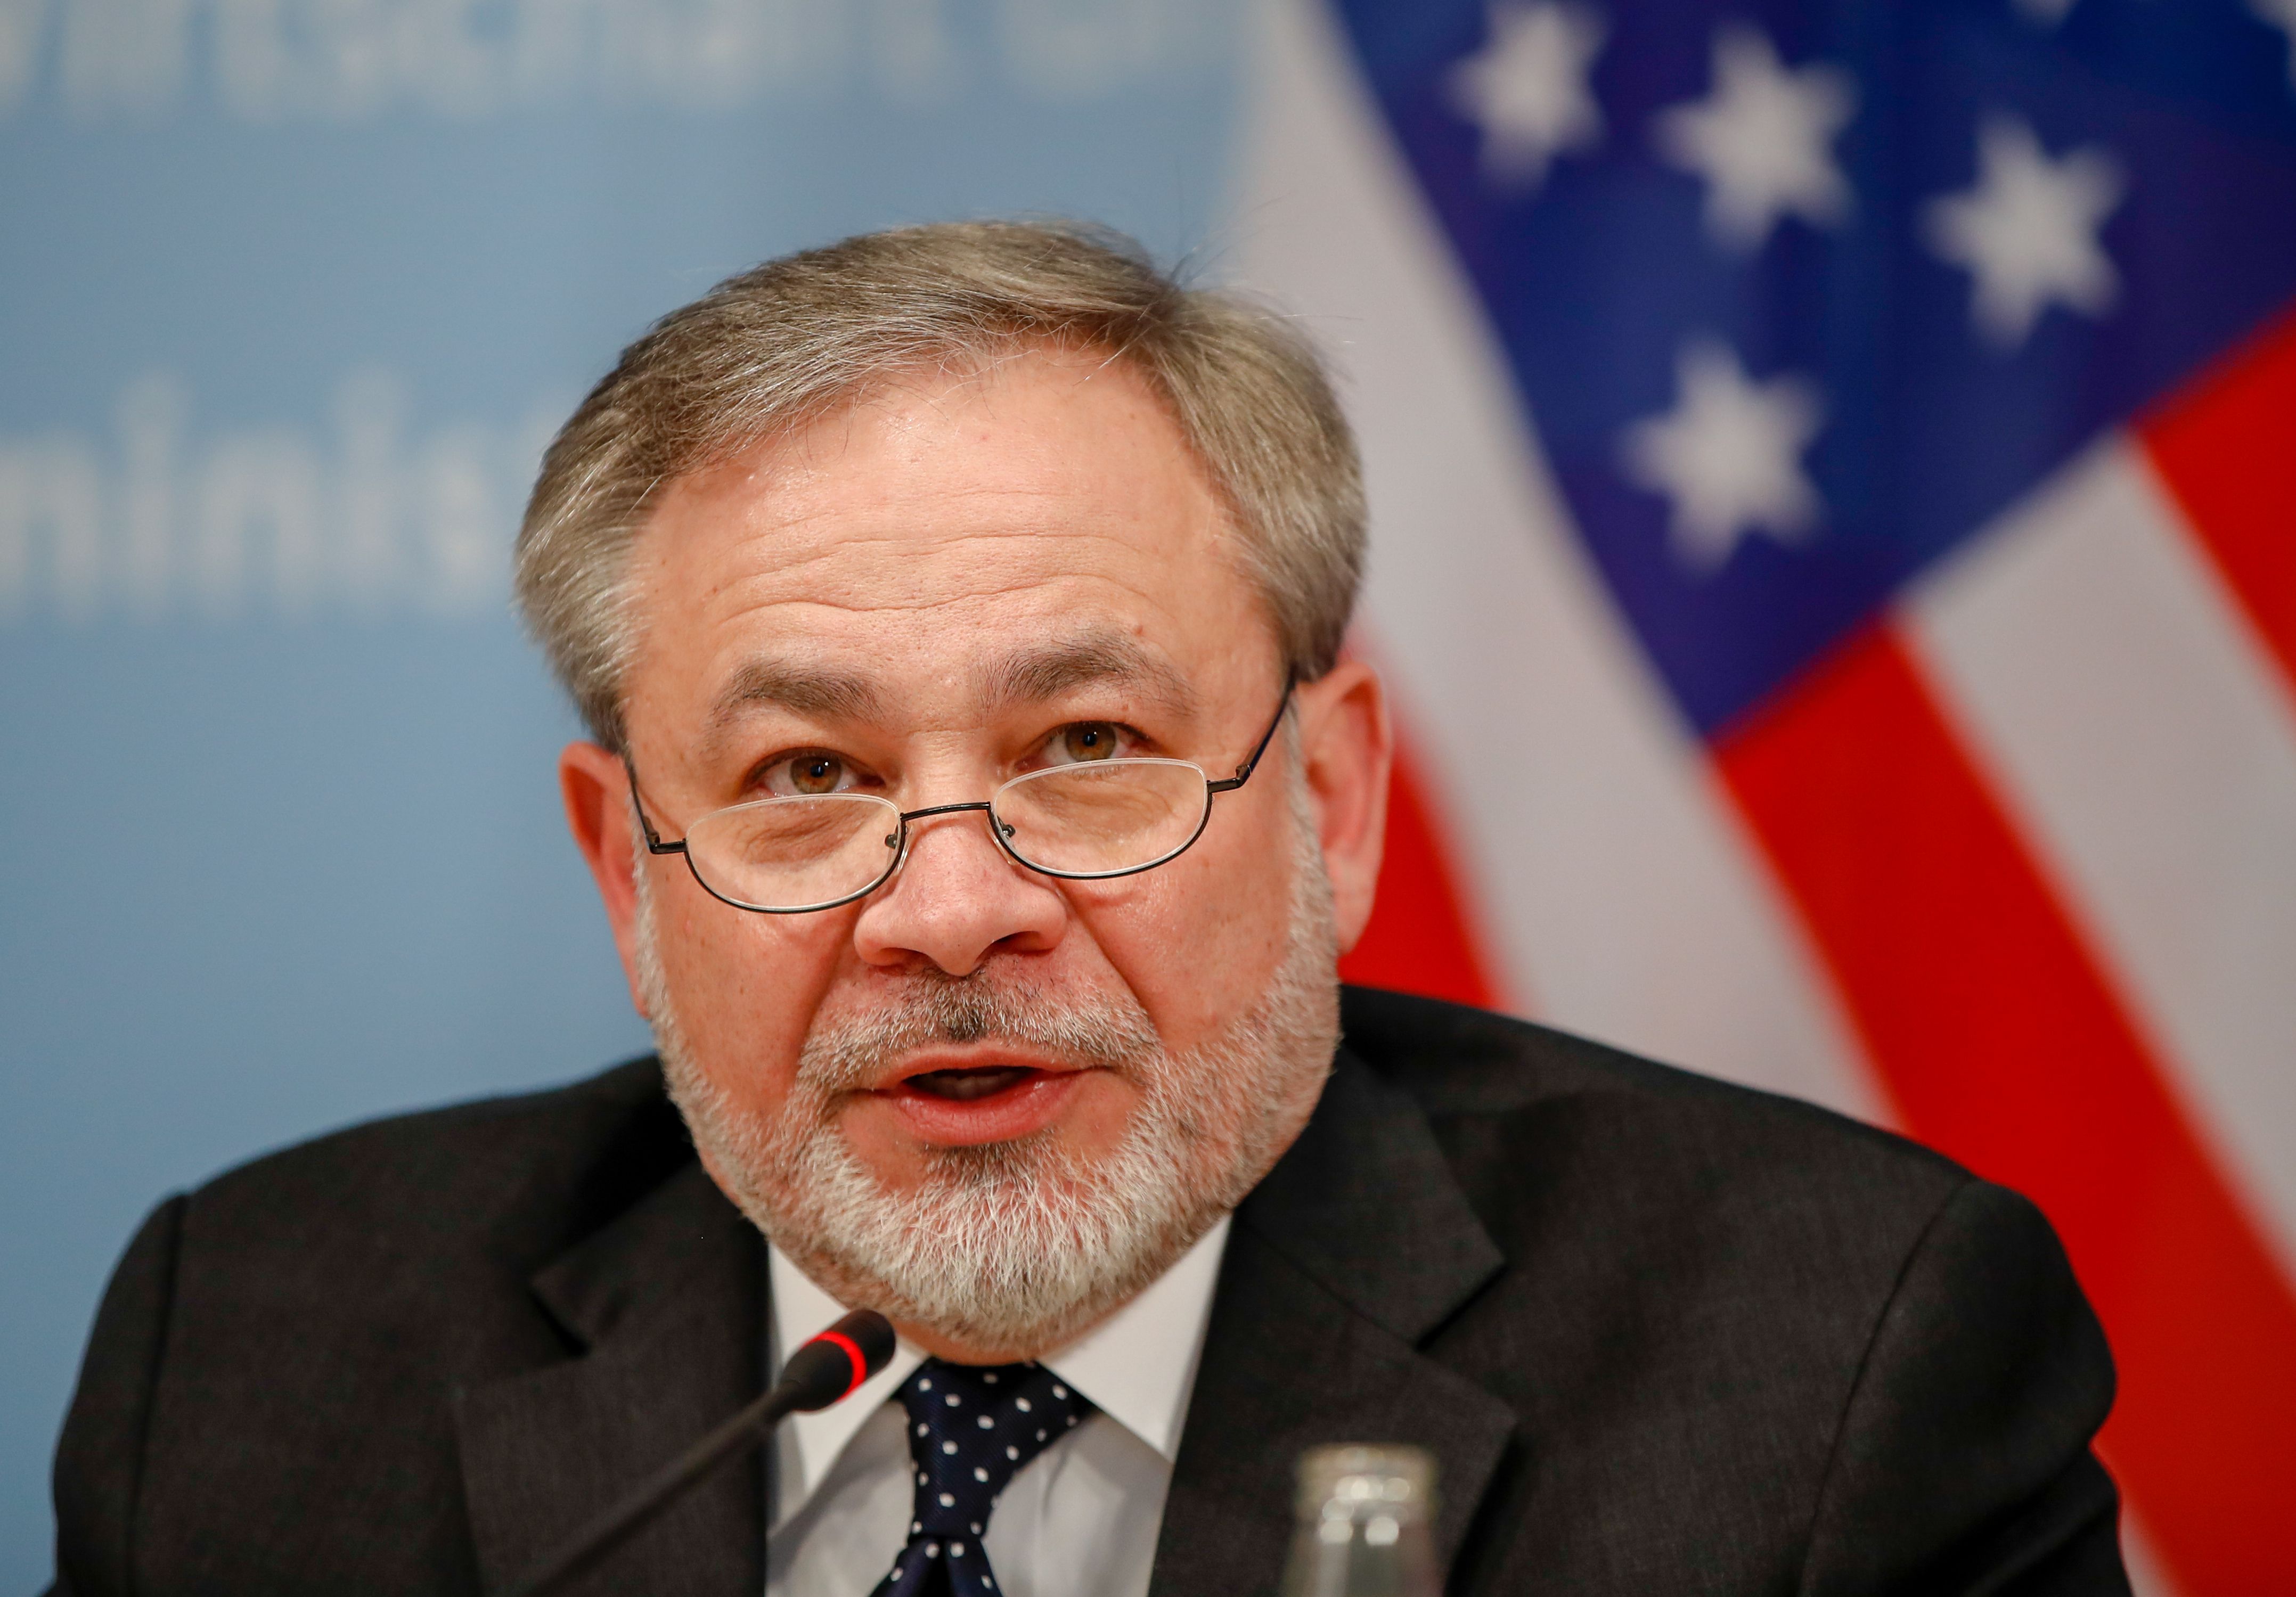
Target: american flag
1833 470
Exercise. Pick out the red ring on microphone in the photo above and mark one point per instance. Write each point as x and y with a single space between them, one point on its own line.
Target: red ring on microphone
853 1360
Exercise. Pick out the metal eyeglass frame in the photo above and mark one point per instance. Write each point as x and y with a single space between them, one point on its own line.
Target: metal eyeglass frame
899 840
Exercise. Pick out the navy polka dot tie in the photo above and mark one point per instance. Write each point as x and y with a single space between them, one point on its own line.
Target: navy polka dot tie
970 1431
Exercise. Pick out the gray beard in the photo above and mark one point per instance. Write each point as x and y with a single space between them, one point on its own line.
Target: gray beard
1022 1246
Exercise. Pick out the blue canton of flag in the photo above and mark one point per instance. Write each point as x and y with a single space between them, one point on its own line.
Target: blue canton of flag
1802 294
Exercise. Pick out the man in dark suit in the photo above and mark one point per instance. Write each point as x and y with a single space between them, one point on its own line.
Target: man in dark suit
934 601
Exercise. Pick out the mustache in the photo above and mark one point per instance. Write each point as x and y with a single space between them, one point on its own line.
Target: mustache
1109 1030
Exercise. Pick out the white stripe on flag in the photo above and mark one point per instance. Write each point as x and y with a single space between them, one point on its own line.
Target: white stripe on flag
1618 896
2147 1576
2136 729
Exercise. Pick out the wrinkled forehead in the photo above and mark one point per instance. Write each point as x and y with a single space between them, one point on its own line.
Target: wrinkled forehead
937 536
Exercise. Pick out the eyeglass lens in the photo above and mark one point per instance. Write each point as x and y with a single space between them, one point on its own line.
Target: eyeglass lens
795 853
1103 818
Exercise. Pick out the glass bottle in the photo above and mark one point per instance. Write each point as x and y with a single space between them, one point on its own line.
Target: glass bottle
1363 1530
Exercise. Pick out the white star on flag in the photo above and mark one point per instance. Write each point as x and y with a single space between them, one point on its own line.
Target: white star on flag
2026 231
1761 139
1527 90
2280 14
1729 456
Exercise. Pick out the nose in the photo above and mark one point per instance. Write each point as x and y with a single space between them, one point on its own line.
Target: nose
957 897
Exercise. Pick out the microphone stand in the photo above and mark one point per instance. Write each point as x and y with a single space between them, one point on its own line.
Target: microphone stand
827 1369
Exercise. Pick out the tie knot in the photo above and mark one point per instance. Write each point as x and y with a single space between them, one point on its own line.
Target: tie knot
972 1428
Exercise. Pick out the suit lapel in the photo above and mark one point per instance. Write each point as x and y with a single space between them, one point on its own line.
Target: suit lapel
665 1307
1356 1247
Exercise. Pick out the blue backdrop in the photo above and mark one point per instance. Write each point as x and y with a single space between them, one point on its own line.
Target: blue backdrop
291 292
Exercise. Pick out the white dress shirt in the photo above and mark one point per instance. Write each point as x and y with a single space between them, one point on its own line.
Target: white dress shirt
1079 1520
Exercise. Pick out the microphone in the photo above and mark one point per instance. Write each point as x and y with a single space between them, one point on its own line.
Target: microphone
826 1370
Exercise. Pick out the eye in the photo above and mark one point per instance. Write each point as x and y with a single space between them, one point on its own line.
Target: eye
1082 740
807 772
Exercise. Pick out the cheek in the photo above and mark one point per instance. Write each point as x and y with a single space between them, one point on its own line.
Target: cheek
1198 940
745 987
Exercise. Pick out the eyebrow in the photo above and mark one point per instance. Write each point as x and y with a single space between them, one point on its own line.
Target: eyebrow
817 692
1046 671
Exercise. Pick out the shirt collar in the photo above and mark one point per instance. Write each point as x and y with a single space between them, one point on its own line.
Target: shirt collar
1137 1366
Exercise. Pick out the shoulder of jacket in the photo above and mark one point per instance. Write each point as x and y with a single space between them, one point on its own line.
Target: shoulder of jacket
1470 1065
573 1155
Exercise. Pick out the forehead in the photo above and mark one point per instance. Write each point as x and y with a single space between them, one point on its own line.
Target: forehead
939 524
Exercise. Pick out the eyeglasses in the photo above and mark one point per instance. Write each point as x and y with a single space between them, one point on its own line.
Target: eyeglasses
1083 822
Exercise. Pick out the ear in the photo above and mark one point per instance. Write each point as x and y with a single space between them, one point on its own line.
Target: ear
596 787
1348 747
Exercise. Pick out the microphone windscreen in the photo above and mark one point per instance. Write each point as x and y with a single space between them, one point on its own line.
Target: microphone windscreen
834 1363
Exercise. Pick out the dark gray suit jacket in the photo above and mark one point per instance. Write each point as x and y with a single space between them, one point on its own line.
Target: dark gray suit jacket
1663 1336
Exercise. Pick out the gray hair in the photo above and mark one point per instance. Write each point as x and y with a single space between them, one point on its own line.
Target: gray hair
794 340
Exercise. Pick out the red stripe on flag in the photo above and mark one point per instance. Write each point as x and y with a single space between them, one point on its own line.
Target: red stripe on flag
1421 938
2226 448
2003 1045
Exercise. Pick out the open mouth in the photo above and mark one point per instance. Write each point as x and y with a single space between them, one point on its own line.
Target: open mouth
998 1099
963 1086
